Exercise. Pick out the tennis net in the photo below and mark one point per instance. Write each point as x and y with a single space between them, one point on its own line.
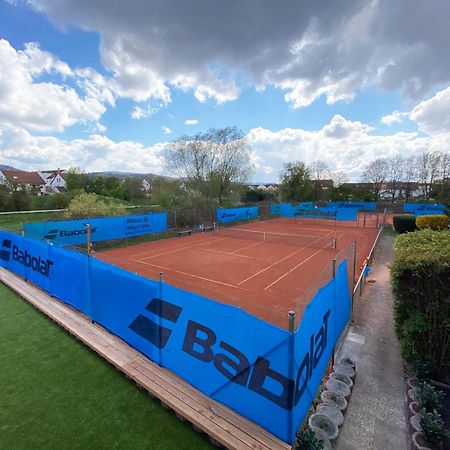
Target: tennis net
314 241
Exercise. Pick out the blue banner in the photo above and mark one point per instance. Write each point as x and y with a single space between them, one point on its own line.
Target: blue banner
307 210
236 214
73 232
367 206
422 209
263 372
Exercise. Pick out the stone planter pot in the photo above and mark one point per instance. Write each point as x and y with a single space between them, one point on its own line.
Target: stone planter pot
341 377
419 442
333 399
322 422
413 409
332 412
412 394
414 424
349 362
338 387
412 383
344 369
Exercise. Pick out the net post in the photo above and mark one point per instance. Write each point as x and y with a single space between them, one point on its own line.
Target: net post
353 284
384 216
291 368
161 277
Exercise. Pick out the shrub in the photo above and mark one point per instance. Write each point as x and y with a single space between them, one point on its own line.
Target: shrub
421 286
404 223
88 205
306 440
433 427
433 222
428 396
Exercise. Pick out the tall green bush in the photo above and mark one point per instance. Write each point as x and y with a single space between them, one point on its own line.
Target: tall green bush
404 223
421 286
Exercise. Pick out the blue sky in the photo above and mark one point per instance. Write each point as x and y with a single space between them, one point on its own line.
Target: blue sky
104 86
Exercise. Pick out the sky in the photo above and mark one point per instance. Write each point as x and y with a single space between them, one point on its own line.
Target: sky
105 84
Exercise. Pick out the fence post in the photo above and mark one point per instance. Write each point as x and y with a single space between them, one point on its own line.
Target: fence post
335 312
291 369
354 281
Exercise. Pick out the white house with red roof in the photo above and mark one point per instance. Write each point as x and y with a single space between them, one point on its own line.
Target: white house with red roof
54 180
32 181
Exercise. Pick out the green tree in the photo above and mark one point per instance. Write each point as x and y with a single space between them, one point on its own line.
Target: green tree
296 182
210 163
131 188
77 180
88 205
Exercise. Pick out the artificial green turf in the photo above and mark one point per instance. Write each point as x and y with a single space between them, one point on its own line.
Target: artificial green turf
57 394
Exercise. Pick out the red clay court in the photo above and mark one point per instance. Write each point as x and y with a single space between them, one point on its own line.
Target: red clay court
266 267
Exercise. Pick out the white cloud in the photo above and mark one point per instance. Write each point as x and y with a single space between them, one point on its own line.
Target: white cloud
308 49
433 115
395 117
191 122
46 106
143 113
167 130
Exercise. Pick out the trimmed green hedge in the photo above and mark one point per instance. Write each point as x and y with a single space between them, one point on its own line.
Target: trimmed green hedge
433 222
404 223
421 286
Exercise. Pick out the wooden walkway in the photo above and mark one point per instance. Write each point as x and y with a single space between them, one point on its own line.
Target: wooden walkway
220 423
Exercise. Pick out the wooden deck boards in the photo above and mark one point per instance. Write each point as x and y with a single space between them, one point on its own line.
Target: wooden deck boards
221 423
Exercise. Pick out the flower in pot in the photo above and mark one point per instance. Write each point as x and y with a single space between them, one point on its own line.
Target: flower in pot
324 423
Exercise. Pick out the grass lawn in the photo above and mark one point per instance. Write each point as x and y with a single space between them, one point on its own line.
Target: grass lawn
13 222
55 393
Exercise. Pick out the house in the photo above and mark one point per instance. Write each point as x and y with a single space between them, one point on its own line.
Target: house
271 187
54 180
16 179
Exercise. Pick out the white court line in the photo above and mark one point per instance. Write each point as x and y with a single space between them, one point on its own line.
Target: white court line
297 266
177 249
187 274
286 257
248 246
232 254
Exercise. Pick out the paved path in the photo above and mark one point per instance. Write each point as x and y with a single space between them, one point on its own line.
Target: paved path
375 419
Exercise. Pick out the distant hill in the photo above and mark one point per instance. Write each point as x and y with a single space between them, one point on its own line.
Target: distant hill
123 175
4 167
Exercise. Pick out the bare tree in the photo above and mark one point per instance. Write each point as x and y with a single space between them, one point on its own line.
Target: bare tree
409 176
209 163
338 178
428 169
376 173
396 166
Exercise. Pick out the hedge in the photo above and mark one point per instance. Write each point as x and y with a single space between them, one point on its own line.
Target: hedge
433 222
404 223
421 286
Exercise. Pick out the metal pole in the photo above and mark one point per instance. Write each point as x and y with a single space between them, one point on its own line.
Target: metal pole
384 216
291 362
334 276
354 281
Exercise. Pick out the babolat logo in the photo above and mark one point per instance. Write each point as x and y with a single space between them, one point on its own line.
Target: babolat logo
5 253
203 344
52 234
35 263
223 215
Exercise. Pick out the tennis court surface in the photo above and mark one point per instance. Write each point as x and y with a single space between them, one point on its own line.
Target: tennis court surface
266 267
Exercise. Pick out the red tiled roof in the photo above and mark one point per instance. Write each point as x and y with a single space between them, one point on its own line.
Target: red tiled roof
17 176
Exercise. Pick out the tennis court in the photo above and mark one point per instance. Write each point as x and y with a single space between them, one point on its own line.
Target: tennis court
266 267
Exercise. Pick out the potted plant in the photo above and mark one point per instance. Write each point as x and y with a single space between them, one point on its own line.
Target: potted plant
433 428
324 423
419 442
349 362
345 369
341 377
428 396
307 440
339 387
332 412
334 399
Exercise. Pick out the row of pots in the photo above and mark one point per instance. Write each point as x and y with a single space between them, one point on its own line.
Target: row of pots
329 415
418 441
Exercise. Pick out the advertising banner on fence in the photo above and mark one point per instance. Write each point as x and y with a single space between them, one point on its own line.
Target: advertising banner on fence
422 209
367 206
263 372
236 214
73 232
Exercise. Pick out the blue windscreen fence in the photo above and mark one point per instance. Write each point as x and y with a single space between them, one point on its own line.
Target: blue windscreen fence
308 211
263 372
73 232
237 214
367 206
422 209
